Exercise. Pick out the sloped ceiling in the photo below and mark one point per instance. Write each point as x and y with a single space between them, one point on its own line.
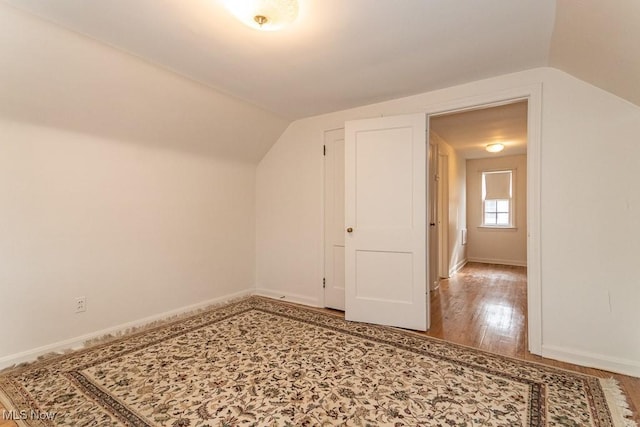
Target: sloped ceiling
599 42
340 54
53 78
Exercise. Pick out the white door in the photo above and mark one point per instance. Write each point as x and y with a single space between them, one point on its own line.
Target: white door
385 219
334 219
442 179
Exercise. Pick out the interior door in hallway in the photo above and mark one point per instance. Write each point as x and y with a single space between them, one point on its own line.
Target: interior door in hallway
433 218
442 216
385 219
334 219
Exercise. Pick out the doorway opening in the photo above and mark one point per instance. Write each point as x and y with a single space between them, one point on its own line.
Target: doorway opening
479 219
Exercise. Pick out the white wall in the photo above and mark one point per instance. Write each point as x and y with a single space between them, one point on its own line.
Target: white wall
589 165
590 225
118 181
457 202
497 245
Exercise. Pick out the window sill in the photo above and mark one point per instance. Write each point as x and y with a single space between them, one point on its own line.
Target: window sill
498 227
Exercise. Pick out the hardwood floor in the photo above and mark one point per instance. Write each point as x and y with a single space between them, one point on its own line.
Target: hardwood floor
484 306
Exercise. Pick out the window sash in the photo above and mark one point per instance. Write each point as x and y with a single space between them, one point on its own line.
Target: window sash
497 212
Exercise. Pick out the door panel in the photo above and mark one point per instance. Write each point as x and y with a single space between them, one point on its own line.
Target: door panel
384 203
385 209
334 219
375 270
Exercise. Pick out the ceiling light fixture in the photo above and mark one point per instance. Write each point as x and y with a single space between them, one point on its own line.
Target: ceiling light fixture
265 15
495 148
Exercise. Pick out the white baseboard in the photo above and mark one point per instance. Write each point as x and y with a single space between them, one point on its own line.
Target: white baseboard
285 296
78 342
592 360
498 261
458 267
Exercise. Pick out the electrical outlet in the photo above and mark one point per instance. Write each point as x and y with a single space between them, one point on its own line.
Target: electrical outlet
81 304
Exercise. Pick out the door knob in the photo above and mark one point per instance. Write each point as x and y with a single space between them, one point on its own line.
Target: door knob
349 230
433 224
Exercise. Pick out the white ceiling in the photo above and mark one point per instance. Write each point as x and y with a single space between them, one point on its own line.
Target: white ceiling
469 132
345 53
339 54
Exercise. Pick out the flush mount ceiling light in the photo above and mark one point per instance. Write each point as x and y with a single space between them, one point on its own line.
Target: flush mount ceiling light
266 15
495 148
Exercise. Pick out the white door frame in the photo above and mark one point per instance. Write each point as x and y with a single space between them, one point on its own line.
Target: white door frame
533 94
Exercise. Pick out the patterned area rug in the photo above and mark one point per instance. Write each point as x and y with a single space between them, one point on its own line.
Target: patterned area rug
259 362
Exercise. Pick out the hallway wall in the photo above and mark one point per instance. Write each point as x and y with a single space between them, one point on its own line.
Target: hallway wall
506 246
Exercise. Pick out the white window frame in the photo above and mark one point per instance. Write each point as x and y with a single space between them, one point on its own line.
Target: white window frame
511 200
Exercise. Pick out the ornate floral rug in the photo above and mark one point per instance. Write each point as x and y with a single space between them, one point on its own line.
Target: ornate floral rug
260 362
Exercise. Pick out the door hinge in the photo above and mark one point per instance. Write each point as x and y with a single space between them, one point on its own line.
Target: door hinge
324 283
324 150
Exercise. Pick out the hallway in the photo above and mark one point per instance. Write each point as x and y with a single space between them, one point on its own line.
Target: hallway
483 306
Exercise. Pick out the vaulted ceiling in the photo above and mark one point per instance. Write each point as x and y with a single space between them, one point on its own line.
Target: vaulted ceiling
340 54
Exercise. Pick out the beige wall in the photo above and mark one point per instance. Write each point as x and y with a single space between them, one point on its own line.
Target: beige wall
457 203
497 245
55 78
120 182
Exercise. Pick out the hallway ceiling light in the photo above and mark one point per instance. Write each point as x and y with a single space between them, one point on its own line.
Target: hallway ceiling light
495 148
265 15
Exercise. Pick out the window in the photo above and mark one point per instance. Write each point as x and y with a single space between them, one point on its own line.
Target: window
497 198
